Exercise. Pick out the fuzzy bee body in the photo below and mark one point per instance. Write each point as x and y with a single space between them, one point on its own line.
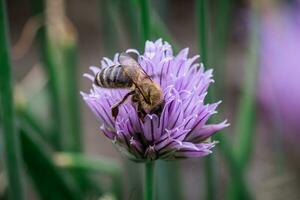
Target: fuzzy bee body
113 77
145 93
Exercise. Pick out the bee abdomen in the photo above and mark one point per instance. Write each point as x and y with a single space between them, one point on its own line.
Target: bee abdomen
113 77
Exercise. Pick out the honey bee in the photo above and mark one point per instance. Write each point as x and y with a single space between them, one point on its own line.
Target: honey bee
145 93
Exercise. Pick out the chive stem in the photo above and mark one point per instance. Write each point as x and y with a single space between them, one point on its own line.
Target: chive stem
10 138
73 141
202 13
246 116
202 17
48 61
169 176
149 181
210 177
145 21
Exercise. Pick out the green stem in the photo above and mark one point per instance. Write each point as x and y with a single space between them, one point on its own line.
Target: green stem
48 61
80 161
39 164
233 166
130 19
161 31
145 21
27 118
246 116
149 181
10 138
108 11
73 140
202 14
169 176
223 10
222 24
210 177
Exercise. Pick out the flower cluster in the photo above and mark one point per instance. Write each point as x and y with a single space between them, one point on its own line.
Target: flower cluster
180 131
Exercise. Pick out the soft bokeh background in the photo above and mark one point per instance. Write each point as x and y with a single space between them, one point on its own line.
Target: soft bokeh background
104 27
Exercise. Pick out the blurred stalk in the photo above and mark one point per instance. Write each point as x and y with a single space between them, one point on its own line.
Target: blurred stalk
134 179
10 138
108 13
58 38
47 58
29 120
202 20
73 137
222 25
77 161
83 162
60 64
223 11
145 21
131 19
210 179
160 31
157 27
233 164
48 180
149 180
236 173
62 39
246 115
168 177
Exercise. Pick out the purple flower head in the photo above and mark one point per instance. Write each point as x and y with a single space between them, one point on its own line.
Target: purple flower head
180 130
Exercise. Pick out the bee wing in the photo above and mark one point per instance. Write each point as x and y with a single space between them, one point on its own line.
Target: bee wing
132 65
132 68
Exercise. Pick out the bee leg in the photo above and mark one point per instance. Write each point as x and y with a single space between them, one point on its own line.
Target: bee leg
141 112
115 108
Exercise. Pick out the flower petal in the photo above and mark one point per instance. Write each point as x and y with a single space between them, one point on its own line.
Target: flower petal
202 133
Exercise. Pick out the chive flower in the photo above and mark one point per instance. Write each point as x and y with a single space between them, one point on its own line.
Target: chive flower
181 129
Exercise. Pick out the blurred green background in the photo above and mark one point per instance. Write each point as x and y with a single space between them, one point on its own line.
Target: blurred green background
51 145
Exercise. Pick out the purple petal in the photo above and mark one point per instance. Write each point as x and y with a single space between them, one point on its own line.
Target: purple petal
151 129
202 133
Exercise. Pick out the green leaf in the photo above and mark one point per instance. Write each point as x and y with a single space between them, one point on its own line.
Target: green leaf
78 161
98 164
48 180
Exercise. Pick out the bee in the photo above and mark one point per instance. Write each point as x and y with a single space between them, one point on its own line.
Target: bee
145 93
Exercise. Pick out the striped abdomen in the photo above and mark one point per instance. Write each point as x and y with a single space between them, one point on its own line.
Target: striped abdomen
113 77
